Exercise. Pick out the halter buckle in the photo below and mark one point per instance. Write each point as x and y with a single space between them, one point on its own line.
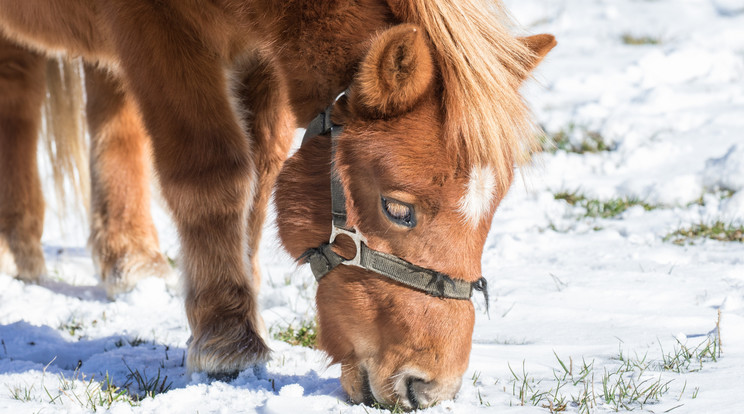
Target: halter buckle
358 239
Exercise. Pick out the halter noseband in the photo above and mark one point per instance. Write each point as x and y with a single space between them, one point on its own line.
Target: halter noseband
323 259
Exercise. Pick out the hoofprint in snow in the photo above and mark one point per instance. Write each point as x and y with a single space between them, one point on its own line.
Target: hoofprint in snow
595 310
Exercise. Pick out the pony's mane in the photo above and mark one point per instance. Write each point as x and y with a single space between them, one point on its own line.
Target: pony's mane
482 65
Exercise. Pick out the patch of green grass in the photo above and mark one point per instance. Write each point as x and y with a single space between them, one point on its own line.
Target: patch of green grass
21 393
91 394
133 342
105 393
72 326
481 400
575 139
88 393
475 377
718 230
628 386
628 382
725 193
603 208
476 382
136 341
721 194
628 389
572 198
632 384
393 408
528 391
691 359
147 386
632 40
172 262
306 335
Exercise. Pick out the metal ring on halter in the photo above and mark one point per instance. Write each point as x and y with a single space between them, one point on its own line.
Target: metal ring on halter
358 239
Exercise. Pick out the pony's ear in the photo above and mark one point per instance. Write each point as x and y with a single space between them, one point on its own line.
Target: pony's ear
396 72
539 45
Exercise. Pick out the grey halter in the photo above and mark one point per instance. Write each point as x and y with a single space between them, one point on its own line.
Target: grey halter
323 259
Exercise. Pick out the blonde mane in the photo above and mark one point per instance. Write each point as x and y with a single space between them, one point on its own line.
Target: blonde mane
482 65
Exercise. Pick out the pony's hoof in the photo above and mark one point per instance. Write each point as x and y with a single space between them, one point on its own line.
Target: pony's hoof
224 376
31 269
28 266
223 355
121 275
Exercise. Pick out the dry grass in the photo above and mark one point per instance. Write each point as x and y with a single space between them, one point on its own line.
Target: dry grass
632 40
720 231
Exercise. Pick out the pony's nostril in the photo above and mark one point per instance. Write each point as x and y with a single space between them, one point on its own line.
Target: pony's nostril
369 399
411 392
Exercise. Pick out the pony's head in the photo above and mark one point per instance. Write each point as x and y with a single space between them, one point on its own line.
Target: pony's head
413 194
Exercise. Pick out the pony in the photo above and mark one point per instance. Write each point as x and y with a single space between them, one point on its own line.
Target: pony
433 125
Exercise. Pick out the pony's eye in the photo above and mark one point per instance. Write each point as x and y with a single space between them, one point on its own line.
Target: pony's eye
398 212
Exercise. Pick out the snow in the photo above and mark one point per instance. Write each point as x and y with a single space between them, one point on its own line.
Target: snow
726 172
563 285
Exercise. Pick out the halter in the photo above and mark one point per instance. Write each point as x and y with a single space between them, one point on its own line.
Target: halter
323 259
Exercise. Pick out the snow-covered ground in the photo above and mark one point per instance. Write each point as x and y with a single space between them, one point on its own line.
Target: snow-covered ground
595 313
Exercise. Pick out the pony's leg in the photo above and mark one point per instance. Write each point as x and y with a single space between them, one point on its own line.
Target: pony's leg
22 91
271 122
203 159
123 238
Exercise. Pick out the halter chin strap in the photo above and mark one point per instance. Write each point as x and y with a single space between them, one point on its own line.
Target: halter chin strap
323 259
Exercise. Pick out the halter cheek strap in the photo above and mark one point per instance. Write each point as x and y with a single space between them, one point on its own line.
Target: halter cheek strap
323 259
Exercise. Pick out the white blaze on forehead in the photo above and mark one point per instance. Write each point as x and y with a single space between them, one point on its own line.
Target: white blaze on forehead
479 194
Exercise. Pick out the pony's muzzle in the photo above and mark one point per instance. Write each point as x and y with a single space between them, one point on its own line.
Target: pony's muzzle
416 393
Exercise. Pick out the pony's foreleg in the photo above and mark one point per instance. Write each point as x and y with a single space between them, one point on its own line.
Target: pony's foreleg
21 201
202 156
123 238
207 177
263 93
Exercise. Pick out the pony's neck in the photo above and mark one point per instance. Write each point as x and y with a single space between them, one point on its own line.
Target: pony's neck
318 46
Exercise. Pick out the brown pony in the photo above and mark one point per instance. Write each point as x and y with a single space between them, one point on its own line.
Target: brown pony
433 124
